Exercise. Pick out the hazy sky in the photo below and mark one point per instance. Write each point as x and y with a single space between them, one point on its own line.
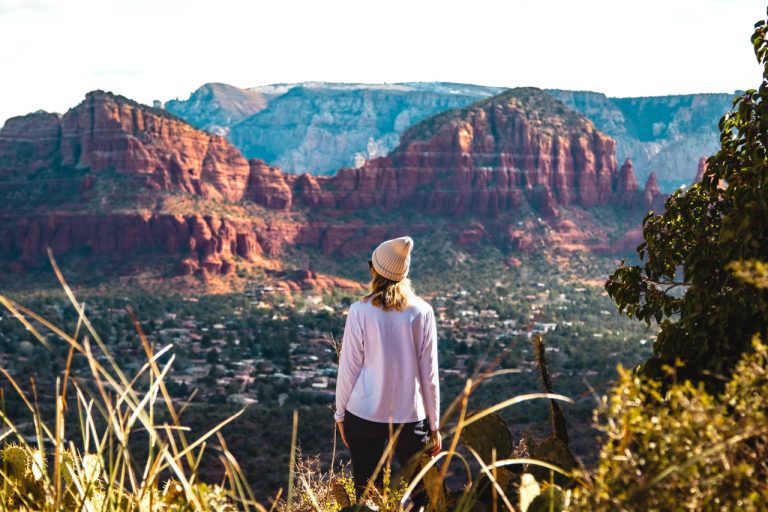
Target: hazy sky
53 52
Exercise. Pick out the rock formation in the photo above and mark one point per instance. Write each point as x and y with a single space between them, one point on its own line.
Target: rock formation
501 159
627 183
30 142
268 187
208 242
320 127
519 148
654 198
626 186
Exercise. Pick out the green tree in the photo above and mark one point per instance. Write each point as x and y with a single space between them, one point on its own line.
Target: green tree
686 280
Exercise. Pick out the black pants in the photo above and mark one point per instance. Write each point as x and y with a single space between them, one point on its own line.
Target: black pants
367 442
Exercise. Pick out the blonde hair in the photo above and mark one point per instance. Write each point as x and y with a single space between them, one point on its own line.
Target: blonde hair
388 294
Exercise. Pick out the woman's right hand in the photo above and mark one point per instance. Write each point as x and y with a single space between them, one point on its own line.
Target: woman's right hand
340 424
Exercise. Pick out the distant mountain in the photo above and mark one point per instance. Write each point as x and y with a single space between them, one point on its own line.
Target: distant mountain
665 134
216 107
117 179
319 127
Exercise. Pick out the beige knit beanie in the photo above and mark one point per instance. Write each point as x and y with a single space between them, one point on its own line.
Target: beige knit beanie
391 259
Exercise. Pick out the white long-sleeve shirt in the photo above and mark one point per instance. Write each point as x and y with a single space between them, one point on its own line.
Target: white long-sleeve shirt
388 364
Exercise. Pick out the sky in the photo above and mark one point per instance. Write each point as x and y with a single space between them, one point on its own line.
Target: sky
52 52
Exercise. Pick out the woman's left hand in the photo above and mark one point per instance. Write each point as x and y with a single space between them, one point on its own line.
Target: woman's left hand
437 442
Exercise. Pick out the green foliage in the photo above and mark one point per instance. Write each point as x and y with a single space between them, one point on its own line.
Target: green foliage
341 495
27 484
692 245
99 468
491 438
23 470
686 449
334 491
392 492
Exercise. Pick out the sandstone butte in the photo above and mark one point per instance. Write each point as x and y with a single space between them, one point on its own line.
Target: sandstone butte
520 151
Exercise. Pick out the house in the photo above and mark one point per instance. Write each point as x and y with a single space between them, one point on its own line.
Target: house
241 399
544 327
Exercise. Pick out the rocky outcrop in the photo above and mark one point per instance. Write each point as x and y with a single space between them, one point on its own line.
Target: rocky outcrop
626 186
111 132
201 242
654 198
30 142
320 127
268 187
627 181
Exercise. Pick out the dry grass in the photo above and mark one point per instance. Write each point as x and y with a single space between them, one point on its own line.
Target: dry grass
113 413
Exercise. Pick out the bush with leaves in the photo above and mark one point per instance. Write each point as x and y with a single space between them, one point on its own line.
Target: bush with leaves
686 449
691 247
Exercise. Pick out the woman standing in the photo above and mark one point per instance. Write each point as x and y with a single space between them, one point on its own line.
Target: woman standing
388 370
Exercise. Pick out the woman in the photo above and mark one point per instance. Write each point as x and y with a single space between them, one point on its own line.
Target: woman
388 370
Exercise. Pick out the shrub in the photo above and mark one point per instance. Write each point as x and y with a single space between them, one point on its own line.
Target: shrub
685 449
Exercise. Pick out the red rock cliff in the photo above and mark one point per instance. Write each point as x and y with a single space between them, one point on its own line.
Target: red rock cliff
268 186
106 131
